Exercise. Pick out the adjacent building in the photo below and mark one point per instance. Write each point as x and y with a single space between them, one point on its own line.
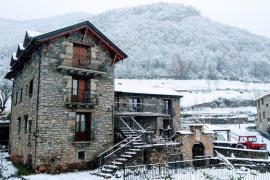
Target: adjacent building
263 114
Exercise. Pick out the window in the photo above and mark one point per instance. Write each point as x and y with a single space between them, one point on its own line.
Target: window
258 103
266 105
262 101
31 86
25 123
30 127
79 56
134 104
260 117
263 115
20 95
81 155
19 125
16 98
268 119
83 126
79 87
167 106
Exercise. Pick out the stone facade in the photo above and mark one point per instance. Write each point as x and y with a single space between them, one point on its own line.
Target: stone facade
151 114
263 114
48 141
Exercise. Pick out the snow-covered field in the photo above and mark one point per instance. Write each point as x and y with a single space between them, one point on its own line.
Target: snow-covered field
197 91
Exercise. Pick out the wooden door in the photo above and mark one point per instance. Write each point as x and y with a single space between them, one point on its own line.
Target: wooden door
78 93
79 56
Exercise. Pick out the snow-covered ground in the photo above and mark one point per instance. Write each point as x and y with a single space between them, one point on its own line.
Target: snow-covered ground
197 91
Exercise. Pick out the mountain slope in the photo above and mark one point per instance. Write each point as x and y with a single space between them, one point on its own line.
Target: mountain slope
165 40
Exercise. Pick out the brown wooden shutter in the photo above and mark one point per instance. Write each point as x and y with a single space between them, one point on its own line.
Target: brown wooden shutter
79 56
82 90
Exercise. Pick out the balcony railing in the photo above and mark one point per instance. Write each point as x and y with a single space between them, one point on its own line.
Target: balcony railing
139 109
87 98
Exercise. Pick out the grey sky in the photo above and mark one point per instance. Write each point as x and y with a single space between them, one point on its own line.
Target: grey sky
253 15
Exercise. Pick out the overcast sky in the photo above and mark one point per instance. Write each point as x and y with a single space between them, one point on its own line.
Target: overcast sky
253 15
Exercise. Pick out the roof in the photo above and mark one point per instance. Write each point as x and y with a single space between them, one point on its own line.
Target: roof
185 132
268 94
33 38
135 86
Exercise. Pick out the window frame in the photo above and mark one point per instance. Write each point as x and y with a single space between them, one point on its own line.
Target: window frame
31 88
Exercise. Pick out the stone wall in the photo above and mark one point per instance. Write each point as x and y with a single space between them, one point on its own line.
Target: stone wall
55 145
22 145
242 153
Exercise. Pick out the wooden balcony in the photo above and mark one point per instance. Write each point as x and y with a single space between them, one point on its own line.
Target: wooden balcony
88 70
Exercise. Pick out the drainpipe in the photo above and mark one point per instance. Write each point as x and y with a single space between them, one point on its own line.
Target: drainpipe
37 105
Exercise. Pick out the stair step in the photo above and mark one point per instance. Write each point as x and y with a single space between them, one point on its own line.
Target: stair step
121 159
125 156
138 143
110 166
104 175
137 149
117 162
131 153
107 170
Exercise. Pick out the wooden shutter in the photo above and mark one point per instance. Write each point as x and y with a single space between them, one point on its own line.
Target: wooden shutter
82 90
79 56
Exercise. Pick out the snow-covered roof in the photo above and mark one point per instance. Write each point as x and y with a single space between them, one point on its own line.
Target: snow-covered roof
216 128
267 94
21 46
31 33
143 87
14 56
185 132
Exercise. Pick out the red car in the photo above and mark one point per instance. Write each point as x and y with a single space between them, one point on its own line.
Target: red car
250 142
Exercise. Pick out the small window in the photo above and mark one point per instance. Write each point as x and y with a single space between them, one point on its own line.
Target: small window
134 105
258 103
266 105
268 119
16 98
30 127
262 101
260 117
25 123
31 86
21 93
81 155
19 125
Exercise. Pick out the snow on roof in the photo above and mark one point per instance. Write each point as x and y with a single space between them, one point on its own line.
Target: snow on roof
33 33
260 97
143 87
185 132
216 127
21 46
14 56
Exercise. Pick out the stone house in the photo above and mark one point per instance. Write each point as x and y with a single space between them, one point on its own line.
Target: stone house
263 114
62 97
67 112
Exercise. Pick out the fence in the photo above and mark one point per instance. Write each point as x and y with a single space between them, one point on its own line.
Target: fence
174 170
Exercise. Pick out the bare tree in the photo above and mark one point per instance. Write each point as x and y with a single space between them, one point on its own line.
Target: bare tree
5 94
